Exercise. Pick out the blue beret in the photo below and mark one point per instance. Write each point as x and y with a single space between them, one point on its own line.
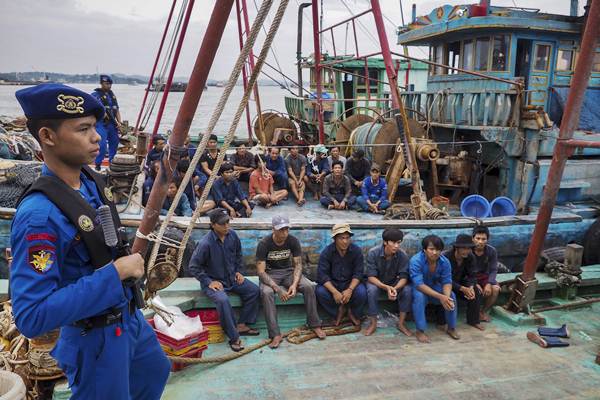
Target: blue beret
105 78
57 101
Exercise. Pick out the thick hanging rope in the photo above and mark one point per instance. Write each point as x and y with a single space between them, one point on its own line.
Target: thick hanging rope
235 73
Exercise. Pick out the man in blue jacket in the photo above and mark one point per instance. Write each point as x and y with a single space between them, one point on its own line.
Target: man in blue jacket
63 275
431 277
374 192
217 264
109 125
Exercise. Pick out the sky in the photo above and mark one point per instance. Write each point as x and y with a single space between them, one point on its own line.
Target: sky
122 36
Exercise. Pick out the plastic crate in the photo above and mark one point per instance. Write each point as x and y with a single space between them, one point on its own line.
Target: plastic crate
207 315
195 353
176 345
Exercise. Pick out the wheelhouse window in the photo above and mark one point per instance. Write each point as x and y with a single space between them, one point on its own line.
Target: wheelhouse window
467 56
500 53
541 58
482 49
453 56
564 60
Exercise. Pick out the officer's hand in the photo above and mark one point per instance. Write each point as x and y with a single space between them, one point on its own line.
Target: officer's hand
131 266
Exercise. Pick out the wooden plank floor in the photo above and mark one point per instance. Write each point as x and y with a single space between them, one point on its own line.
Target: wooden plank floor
499 363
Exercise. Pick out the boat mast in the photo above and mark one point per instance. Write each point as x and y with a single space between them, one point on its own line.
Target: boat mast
185 116
318 79
242 17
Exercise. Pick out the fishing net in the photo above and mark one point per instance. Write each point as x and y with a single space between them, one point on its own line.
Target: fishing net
17 179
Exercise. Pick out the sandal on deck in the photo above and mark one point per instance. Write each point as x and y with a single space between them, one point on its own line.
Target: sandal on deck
236 346
249 332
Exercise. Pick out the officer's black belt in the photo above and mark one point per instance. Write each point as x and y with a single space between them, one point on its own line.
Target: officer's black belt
104 320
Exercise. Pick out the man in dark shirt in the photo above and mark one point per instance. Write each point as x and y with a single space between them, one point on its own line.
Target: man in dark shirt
296 167
276 167
357 169
339 277
155 153
227 193
462 262
149 182
209 157
486 267
317 169
243 163
337 192
387 270
217 264
279 267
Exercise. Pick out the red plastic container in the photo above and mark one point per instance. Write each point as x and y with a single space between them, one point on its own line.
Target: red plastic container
208 316
196 353
178 344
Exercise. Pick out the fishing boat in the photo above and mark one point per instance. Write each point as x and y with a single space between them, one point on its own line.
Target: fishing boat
491 117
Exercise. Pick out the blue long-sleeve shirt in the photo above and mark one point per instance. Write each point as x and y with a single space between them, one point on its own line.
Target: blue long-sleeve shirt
277 165
379 190
420 275
216 260
183 209
53 282
227 191
340 270
319 167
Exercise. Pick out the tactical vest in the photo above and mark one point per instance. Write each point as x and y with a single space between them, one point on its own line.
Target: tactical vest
109 114
79 212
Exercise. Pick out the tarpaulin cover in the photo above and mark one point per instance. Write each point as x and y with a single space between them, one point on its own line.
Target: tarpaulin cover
589 119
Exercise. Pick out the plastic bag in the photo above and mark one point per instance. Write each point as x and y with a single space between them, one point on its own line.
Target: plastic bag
182 325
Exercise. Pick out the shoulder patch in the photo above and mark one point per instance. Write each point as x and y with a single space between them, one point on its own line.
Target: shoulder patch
41 258
41 236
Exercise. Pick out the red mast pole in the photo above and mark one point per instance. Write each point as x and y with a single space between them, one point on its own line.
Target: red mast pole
185 116
163 101
319 81
162 42
562 151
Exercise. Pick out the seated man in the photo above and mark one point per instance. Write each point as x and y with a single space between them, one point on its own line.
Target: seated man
243 162
463 277
279 267
357 169
431 277
318 168
209 158
339 276
486 268
387 270
336 156
261 187
149 181
217 264
183 208
337 192
227 193
296 168
276 167
374 192
155 153
180 170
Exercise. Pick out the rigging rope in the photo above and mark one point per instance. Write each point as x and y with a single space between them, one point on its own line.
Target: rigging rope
235 73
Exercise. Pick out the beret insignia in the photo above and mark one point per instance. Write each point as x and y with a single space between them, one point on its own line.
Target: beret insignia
70 104
41 258
85 223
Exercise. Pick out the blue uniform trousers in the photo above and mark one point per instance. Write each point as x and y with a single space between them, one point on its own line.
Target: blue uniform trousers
101 365
280 181
404 299
420 300
326 201
108 134
357 301
250 295
362 202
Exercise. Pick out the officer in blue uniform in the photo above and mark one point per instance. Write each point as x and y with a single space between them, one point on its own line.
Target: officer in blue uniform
63 275
108 126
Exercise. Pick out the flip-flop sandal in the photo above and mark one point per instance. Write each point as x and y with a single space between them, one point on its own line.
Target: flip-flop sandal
236 346
453 334
250 332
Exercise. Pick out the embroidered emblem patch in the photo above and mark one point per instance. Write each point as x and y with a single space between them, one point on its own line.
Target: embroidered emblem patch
70 104
85 223
41 258
108 194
